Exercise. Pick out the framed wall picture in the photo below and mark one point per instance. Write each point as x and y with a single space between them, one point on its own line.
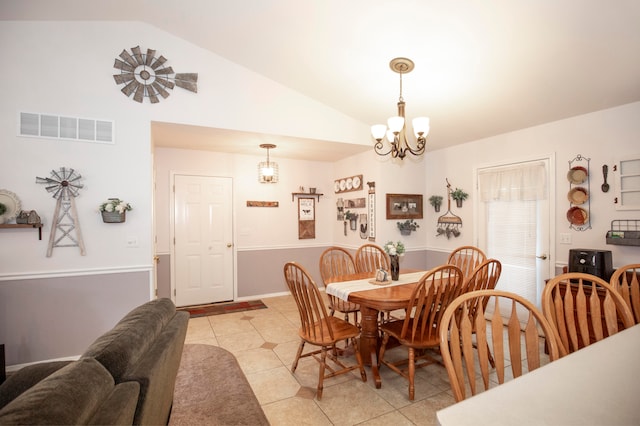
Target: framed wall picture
306 218
404 206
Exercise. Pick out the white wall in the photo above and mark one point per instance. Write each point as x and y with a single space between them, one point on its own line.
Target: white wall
255 227
66 68
603 136
391 176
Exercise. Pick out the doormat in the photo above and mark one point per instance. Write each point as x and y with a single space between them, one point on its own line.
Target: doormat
223 308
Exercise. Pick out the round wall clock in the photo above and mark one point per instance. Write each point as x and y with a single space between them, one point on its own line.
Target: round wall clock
146 76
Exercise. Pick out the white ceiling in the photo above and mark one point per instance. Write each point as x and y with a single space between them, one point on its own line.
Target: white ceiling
482 68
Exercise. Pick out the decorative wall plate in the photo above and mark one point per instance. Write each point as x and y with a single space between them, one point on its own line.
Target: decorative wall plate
12 203
346 184
578 195
356 182
146 76
577 175
577 216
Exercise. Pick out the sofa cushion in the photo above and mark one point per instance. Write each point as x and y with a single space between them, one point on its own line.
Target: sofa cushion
26 377
132 336
72 395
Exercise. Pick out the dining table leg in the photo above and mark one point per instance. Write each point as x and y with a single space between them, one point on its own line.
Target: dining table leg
369 343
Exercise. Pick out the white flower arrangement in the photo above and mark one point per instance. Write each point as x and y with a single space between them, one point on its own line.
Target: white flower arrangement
394 249
115 205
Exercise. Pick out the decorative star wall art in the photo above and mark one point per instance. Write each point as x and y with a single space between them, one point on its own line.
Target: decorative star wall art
146 76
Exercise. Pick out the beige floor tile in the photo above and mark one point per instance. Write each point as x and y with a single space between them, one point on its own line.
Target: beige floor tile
258 359
424 412
273 385
230 324
394 418
295 412
352 402
241 341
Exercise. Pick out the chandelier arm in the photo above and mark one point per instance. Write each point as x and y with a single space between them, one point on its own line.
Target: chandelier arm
378 146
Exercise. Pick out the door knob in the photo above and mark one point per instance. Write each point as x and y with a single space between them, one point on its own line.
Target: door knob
542 256
229 245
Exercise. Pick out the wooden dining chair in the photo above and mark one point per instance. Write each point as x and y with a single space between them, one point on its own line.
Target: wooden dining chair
583 309
467 258
626 280
369 258
484 277
514 332
419 330
336 262
318 328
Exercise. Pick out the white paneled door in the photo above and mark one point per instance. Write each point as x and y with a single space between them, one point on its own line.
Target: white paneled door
203 240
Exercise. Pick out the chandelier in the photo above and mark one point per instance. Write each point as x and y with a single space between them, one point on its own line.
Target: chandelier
396 132
268 170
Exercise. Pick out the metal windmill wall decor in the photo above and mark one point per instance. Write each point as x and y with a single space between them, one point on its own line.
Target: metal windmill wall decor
146 76
64 185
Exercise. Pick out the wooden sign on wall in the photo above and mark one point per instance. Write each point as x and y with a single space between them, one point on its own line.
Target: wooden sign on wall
306 218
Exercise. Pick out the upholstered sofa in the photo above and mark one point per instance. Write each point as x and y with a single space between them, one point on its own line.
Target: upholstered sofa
127 376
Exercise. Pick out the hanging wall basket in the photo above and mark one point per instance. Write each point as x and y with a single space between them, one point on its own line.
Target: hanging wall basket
114 217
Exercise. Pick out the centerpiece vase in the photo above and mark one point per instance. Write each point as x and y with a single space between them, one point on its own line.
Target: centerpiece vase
395 267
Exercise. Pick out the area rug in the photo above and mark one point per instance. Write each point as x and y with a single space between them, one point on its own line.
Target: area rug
223 308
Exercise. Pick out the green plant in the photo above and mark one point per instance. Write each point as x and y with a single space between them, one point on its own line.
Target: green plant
408 225
3 209
394 249
114 204
459 194
350 215
435 200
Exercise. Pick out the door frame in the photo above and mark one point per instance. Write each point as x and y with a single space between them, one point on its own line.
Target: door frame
172 228
551 158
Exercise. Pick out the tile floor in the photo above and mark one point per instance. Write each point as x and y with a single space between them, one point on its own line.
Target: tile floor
265 342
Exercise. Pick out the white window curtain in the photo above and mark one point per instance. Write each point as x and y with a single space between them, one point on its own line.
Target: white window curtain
519 182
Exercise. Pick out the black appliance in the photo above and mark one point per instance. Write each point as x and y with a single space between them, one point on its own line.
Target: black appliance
594 262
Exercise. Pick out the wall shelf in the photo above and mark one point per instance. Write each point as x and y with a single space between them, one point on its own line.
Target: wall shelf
306 194
23 225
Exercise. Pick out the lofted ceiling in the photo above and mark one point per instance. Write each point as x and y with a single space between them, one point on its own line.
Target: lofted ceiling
481 68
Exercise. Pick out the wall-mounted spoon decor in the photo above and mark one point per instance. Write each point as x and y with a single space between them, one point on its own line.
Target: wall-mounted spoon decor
605 185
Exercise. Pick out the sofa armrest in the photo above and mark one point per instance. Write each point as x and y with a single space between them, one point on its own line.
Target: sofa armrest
156 372
25 378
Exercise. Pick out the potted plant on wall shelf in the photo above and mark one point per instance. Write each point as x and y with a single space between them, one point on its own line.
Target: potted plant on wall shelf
114 210
407 226
436 202
352 218
459 195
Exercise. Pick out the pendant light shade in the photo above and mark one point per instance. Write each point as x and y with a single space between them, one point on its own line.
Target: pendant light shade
267 170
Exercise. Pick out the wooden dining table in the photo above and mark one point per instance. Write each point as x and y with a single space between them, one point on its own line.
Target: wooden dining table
372 299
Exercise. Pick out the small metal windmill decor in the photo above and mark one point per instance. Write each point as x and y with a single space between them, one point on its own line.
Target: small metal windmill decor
146 76
64 185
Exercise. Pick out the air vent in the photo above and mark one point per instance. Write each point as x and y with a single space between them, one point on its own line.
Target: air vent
70 128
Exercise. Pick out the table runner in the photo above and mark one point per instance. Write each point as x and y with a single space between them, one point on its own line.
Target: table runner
344 288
